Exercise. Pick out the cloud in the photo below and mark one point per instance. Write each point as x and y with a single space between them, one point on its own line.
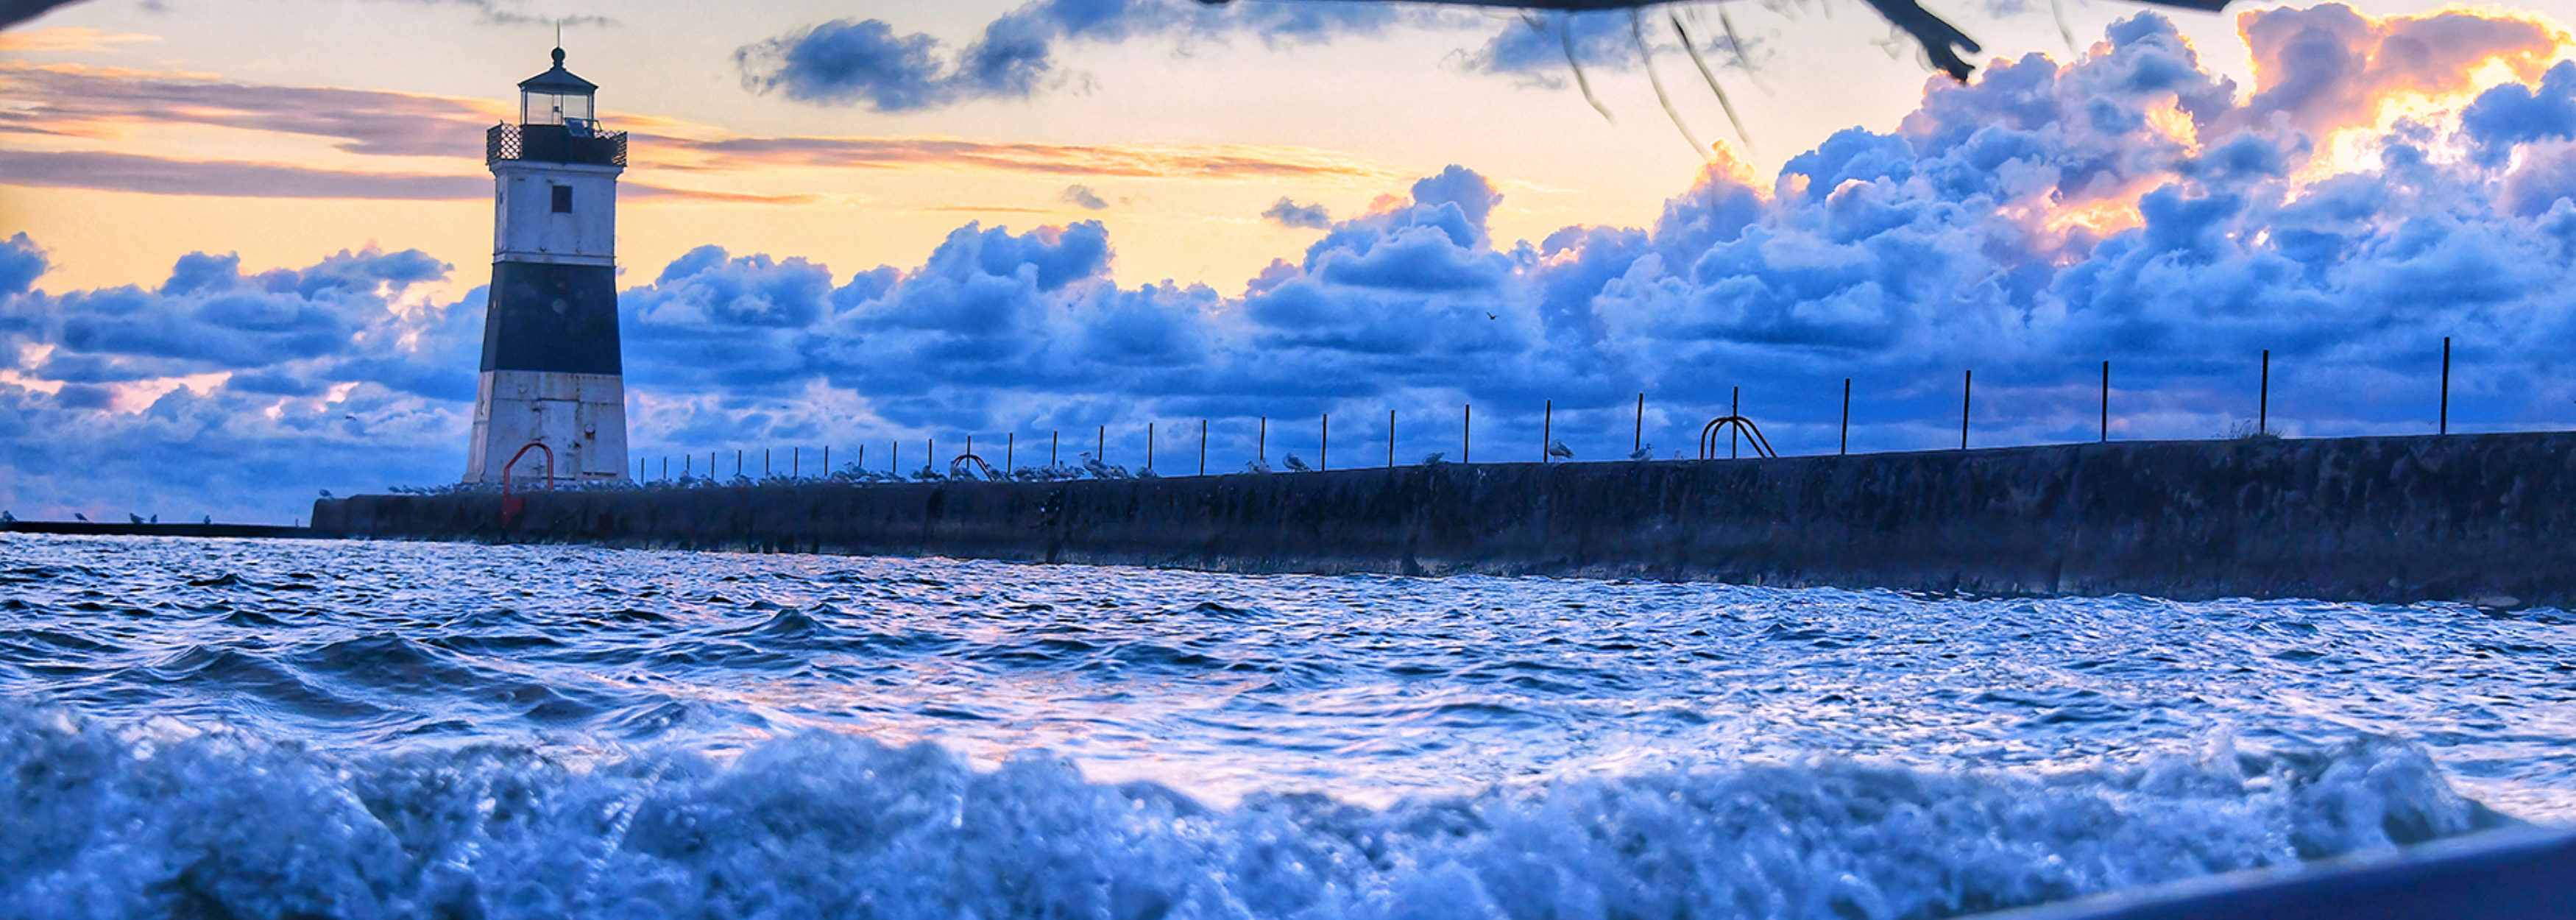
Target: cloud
1288 213
2128 206
123 172
93 102
868 63
21 263
1045 159
58 40
104 106
1082 196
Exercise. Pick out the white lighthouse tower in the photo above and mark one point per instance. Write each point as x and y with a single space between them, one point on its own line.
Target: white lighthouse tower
551 370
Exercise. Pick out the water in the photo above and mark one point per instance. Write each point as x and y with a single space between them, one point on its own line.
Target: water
235 728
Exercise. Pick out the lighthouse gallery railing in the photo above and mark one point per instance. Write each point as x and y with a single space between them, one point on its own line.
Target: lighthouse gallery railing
553 144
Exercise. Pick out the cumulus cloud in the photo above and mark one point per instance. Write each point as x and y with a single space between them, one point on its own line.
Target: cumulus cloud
1288 213
2129 206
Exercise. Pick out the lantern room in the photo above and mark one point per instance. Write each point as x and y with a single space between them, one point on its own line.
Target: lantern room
556 97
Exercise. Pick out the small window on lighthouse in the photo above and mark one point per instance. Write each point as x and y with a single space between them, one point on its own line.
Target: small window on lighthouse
563 199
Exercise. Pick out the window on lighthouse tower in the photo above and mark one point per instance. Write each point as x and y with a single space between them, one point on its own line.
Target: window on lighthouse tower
563 199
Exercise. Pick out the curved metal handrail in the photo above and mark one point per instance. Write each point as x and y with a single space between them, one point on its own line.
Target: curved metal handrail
514 463
957 468
1753 436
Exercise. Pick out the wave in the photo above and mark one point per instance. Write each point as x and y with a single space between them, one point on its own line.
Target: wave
155 819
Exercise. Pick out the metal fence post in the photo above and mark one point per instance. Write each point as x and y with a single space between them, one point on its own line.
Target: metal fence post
1734 407
2106 401
1546 429
1053 438
1845 448
1261 442
1390 439
1466 431
1203 447
2263 398
1641 425
1149 445
1324 448
1101 450
2446 385
1967 391
1010 452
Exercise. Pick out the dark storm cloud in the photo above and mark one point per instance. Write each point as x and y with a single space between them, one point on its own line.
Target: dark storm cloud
869 63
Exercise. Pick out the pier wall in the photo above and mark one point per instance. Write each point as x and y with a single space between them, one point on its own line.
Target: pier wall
2482 518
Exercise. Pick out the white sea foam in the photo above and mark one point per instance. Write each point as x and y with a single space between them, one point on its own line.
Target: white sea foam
108 823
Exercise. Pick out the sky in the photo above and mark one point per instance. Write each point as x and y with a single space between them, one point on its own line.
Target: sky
243 243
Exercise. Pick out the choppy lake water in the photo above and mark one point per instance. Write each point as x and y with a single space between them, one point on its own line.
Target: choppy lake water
235 728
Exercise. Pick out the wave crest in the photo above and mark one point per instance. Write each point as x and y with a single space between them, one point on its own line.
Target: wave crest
132 821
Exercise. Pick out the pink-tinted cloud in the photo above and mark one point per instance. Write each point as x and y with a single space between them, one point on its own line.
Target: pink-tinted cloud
89 102
2328 67
124 172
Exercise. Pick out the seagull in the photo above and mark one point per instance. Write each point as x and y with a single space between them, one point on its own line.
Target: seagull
7 518
1255 466
209 520
133 518
1558 450
77 516
1643 453
156 519
1297 465
326 493
1434 458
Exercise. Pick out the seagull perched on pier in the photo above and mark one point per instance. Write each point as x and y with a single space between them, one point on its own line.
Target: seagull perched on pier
1643 453
7 518
1296 465
1558 450
1434 458
133 518
77 516
326 493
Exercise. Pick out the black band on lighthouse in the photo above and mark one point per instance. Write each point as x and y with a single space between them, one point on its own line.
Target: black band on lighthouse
555 318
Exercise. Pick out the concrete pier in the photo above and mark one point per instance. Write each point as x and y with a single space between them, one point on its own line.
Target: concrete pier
2481 518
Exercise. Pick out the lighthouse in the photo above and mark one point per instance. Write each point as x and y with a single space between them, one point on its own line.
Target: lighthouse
551 392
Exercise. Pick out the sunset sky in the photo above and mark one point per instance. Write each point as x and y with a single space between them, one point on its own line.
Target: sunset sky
246 238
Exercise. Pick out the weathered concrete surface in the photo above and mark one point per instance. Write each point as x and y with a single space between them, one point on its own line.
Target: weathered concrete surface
2385 519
